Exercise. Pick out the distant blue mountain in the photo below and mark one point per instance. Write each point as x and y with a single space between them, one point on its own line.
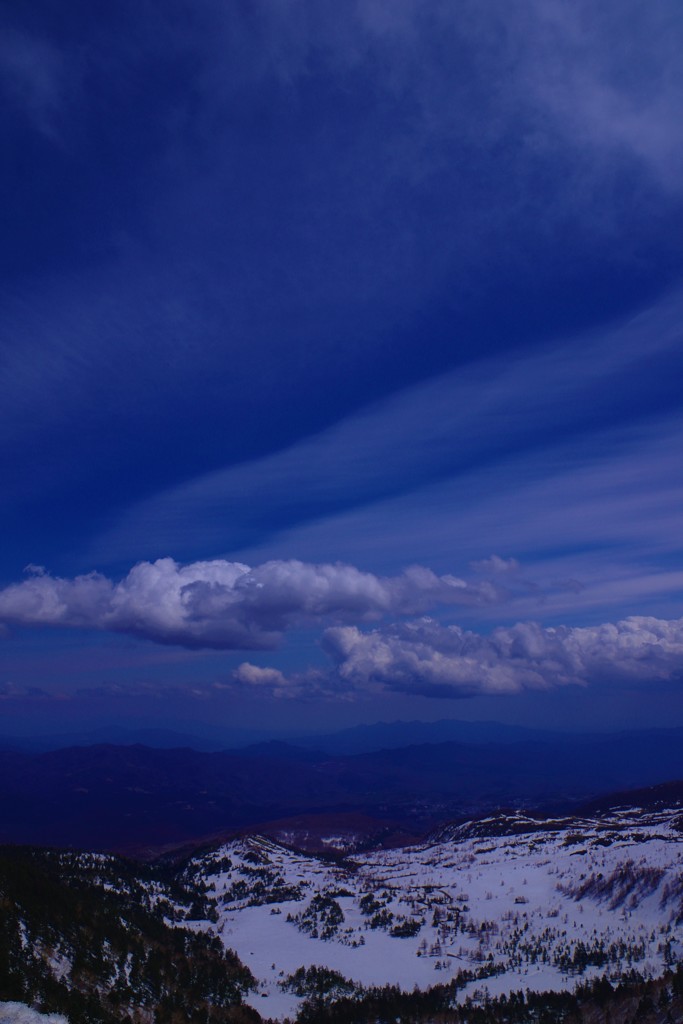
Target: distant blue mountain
159 739
131 797
363 739
359 739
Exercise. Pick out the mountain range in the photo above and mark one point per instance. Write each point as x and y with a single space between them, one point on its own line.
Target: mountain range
139 799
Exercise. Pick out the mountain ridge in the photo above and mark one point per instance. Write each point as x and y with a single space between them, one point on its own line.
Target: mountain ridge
128 798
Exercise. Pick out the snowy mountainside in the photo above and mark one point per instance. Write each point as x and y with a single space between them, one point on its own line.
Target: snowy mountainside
19 1013
518 902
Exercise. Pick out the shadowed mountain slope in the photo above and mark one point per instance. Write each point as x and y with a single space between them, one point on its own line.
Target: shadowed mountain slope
128 798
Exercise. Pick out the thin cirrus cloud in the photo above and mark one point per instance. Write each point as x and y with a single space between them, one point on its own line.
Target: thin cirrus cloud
36 78
428 659
594 520
563 59
471 120
228 605
481 415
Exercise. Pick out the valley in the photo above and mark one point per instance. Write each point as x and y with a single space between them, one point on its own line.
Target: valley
520 903
588 906
143 802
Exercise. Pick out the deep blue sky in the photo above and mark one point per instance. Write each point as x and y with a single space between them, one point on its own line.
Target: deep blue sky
317 292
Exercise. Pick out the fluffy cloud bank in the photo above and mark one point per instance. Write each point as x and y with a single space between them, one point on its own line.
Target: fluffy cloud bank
229 605
424 657
232 606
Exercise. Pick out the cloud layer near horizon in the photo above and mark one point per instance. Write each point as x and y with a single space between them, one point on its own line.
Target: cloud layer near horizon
425 658
229 605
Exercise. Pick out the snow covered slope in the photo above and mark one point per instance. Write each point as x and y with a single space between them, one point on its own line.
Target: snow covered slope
19 1013
520 903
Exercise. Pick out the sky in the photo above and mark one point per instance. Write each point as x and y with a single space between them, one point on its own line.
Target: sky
340 364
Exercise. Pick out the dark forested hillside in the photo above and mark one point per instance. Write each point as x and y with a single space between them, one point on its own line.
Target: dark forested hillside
85 935
636 1000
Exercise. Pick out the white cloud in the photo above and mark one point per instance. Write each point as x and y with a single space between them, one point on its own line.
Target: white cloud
229 605
253 675
495 564
424 657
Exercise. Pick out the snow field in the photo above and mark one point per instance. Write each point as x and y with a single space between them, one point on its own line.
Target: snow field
543 904
19 1013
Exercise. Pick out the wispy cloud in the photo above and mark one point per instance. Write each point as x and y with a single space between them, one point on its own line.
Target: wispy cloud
607 79
37 79
551 459
594 522
495 564
458 144
610 79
